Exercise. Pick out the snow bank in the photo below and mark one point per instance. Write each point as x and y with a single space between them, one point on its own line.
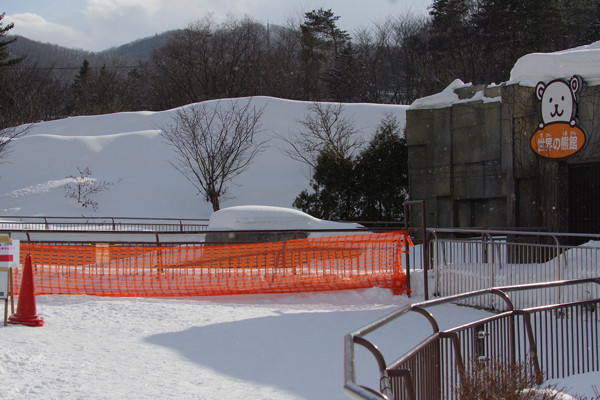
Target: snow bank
255 218
535 67
128 150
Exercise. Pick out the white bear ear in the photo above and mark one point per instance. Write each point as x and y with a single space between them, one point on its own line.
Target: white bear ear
575 83
539 90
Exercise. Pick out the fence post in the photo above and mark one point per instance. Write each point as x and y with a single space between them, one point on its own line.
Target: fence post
533 354
558 267
421 205
434 244
407 266
486 241
425 264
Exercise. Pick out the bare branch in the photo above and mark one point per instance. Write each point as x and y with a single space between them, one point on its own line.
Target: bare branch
8 135
83 187
214 144
323 127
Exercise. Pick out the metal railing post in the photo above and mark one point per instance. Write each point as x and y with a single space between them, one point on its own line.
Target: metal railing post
558 267
424 251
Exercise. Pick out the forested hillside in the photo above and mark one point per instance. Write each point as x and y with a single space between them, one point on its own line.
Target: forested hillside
395 61
66 61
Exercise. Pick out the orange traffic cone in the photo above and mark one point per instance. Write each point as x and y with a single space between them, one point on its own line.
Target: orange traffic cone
26 309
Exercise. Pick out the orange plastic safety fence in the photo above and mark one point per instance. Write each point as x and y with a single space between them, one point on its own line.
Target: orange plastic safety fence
316 264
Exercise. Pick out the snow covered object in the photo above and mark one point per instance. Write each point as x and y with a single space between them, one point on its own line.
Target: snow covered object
256 218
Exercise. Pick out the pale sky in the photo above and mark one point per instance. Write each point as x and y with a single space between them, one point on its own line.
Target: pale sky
100 24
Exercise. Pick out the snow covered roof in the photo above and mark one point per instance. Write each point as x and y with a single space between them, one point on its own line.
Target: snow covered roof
535 67
528 71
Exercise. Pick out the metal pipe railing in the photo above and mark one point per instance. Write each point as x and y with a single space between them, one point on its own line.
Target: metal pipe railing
466 259
70 236
28 223
509 342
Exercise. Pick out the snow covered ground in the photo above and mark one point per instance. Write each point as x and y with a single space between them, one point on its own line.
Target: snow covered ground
236 347
242 347
255 347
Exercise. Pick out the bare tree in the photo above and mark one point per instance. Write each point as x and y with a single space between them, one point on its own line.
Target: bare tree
8 135
83 188
31 93
323 127
214 143
209 61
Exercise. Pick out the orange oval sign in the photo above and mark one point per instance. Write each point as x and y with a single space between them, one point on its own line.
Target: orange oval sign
558 140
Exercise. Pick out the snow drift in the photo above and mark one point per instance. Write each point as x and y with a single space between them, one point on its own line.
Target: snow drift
128 150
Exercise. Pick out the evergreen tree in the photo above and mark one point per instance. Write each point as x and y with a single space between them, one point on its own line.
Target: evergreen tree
333 184
5 57
450 42
80 97
382 174
584 21
100 91
508 29
450 15
479 41
321 44
370 187
7 100
110 95
346 81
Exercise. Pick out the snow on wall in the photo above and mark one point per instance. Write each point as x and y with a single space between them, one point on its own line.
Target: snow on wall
448 97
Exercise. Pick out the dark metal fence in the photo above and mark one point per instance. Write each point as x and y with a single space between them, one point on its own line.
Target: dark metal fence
102 224
85 230
555 341
466 260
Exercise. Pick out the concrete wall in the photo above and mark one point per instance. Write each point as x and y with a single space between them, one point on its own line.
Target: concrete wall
473 164
455 158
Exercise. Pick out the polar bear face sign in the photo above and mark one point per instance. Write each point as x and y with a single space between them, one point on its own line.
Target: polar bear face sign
558 100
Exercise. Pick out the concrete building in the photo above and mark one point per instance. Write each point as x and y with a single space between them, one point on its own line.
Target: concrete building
473 161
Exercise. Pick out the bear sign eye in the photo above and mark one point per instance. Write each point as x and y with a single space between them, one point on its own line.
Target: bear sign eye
562 98
550 100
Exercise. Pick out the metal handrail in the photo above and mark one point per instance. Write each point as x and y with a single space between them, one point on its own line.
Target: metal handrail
23 217
471 259
86 237
136 225
498 232
25 223
357 337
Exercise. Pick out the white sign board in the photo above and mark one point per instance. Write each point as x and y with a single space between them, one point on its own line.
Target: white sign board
9 254
3 283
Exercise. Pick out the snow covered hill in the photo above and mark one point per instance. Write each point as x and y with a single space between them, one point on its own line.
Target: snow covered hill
128 150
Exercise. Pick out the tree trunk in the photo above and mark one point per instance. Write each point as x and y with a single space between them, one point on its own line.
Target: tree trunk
215 203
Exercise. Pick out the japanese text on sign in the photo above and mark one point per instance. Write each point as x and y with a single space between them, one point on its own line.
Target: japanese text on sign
9 254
